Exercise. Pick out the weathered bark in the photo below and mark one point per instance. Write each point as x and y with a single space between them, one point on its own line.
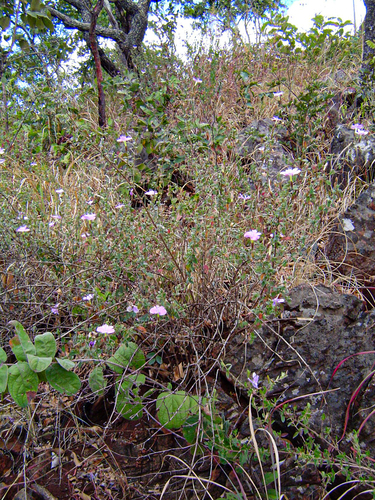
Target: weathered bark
128 23
98 67
369 35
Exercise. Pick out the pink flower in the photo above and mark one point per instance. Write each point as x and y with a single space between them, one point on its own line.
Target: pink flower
361 131
132 309
56 216
90 296
124 138
244 197
88 217
160 310
254 235
85 235
105 329
23 229
289 172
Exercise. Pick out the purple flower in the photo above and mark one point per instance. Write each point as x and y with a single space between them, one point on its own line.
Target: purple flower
151 192
278 94
2 151
120 205
197 80
356 126
90 202
131 192
23 229
124 138
244 197
289 172
59 191
277 301
2 161
52 223
132 309
92 343
90 296
160 310
55 216
55 309
254 380
254 235
105 329
88 217
85 235
276 119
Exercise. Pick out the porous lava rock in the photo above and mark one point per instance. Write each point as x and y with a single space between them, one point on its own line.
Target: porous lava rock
318 329
262 145
352 155
351 245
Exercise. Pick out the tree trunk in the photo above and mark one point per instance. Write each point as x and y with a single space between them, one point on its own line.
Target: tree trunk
98 67
367 69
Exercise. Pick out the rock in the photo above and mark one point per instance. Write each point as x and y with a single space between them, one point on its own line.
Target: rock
318 330
261 145
351 244
353 155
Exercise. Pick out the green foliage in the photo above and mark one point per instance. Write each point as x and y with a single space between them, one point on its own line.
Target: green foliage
174 408
127 355
36 362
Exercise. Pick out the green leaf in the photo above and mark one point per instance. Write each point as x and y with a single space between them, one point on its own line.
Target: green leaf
128 355
27 346
174 408
4 22
45 345
35 5
16 347
38 364
190 428
3 355
129 403
3 378
97 382
62 380
21 380
66 363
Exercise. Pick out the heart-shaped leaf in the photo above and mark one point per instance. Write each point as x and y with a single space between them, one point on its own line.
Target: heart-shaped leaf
21 380
62 380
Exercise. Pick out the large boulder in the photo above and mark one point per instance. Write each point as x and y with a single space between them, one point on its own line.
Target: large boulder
351 244
352 155
318 330
262 146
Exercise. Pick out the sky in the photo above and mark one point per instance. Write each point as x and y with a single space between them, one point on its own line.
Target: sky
300 14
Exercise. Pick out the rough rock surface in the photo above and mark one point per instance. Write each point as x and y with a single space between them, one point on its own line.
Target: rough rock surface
353 155
318 329
351 245
261 144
